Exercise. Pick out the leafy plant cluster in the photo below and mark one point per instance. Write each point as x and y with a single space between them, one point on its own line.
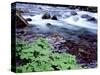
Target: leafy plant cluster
41 58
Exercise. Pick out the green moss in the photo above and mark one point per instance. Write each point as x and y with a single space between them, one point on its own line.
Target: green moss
41 56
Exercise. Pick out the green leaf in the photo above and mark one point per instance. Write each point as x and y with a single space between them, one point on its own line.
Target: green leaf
41 57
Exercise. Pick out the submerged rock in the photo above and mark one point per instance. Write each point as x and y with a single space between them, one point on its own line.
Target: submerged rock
48 24
73 13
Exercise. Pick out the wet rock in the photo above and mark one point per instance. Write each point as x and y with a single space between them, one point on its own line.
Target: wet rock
40 8
51 26
28 19
89 18
73 13
46 16
92 19
54 17
85 16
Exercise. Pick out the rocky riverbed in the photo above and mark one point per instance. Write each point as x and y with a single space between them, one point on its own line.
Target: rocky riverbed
66 29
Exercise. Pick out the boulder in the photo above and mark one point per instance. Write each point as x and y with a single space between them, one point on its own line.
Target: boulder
54 17
46 16
89 18
92 19
28 19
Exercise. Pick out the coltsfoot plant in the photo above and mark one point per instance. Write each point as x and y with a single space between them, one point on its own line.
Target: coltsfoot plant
38 56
